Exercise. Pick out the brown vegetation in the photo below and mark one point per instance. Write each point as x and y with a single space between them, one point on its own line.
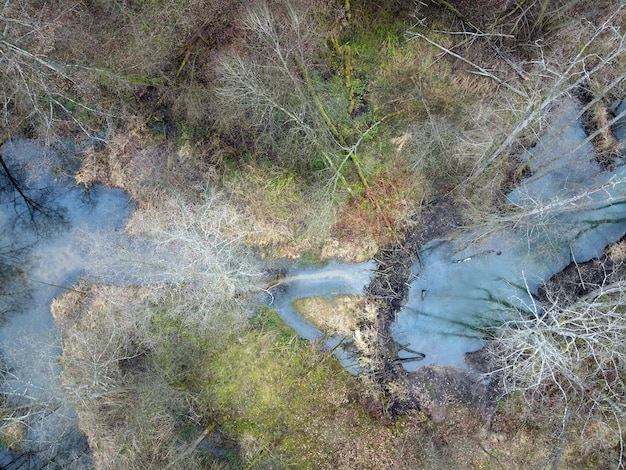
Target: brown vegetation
306 129
144 403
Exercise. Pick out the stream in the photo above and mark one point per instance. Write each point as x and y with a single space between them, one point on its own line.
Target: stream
47 235
569 209
328 281
462 289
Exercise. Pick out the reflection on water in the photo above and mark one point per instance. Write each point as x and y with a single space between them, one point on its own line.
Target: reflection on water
328 281
44 221
570 209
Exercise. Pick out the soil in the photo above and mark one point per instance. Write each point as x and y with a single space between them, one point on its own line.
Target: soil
430 388
606 145
433 389
579 279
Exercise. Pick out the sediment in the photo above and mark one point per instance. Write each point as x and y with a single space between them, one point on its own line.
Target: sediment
429 388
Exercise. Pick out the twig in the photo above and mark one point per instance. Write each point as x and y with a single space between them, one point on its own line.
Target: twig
480 70
191 448
57 286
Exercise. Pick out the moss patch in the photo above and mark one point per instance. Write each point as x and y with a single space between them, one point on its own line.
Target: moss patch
288 405
13 436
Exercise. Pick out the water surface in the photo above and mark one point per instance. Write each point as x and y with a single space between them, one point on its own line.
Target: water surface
50 241
569 209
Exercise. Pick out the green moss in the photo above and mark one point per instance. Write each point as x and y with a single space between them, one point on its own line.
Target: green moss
179 352
272 391
267 320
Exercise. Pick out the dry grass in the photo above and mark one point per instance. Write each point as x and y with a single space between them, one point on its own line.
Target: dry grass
284 405
337 316
616 252
147 168
12 435
189 251
605 144
381 214
284 214
128 411
464 145
287 406
450 156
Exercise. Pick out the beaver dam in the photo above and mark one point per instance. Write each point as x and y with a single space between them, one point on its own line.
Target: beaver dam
438 302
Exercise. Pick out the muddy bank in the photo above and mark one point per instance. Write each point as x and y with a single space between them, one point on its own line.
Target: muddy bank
430 388
579 279
433 388
438 306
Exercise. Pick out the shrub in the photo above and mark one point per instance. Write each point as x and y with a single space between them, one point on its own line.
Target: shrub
574 355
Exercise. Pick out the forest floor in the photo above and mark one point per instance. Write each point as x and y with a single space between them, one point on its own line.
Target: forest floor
248 132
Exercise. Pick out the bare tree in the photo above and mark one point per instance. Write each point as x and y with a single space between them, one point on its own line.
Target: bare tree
575 351
537 85
114 376
271 86
188 251
35 87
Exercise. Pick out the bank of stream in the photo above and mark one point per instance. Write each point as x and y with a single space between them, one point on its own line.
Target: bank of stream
47 221
440 301
435 302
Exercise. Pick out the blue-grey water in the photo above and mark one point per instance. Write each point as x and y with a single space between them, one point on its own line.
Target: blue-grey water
51 247
328 281
569 209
